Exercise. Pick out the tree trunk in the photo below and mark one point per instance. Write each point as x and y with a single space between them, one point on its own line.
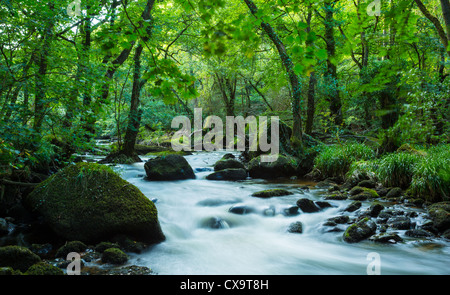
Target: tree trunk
135 114
297 132
40 80
334 96
311 104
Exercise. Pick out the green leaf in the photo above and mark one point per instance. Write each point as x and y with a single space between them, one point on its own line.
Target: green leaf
298 69
321 54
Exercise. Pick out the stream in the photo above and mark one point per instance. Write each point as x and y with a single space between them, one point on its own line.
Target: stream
204 238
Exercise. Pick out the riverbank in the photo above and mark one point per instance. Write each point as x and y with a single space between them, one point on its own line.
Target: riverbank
219 227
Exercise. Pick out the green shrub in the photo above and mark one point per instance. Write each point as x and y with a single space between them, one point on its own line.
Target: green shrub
335 160
361 170
397 169
431 179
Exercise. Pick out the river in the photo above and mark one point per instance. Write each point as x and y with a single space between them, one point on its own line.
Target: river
204 238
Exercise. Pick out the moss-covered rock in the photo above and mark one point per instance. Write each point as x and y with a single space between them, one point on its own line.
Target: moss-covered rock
72 246
440 215
17 257
102 246
114 256
283 167
91 203
360 230
228 163
278 192
353 206
169 167
44 269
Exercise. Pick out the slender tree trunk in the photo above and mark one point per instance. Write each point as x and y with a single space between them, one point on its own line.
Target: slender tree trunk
297 132
40 79
135 114
311 103
334 96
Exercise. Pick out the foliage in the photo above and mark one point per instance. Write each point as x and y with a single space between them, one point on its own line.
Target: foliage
397 169
335 160
431 179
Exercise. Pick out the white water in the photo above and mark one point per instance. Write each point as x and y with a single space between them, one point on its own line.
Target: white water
256 244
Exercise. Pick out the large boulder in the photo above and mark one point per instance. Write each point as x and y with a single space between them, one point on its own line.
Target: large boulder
90 203
283 167
170 167
17 257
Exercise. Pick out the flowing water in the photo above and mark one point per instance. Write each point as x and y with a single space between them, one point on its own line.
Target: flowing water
203 237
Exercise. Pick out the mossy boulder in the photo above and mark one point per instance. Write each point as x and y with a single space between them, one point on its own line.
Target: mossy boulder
272 193
360 230
440 215
228 163
44 269
91 203
283 167
72 246
168 167
102 246
228 174
114 256
17 257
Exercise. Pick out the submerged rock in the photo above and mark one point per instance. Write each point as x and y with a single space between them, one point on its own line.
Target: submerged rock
359 231
91 203
296 227
170 167
272 193
241 209
215 223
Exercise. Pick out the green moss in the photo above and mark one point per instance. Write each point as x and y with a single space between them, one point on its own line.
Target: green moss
73 246
114 256
43 268
17 257
168 152
90 202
